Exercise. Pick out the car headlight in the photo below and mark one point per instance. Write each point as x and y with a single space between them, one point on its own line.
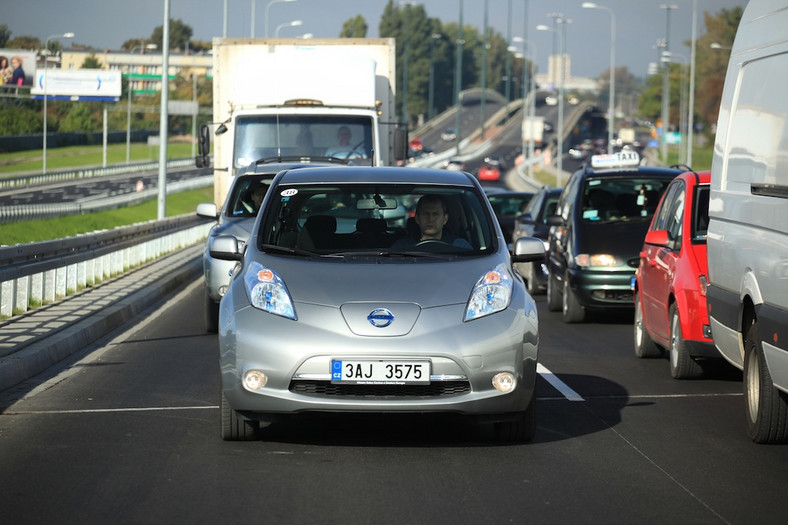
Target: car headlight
267 291
604 260
491 293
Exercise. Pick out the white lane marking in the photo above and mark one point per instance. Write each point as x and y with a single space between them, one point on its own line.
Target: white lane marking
108 410
559 385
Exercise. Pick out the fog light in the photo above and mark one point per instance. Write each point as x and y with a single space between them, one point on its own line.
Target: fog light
255 380
505 382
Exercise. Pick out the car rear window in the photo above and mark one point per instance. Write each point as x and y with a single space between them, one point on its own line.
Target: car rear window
621 198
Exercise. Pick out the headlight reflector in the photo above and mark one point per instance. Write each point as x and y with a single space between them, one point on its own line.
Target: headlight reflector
267 291
491 293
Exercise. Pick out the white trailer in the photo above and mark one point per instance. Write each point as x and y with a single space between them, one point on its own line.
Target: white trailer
288 100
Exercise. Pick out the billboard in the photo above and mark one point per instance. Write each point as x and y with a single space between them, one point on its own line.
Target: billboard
26 58
77 84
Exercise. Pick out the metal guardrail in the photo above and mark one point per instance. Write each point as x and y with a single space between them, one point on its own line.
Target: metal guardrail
23 212
38 273
66 175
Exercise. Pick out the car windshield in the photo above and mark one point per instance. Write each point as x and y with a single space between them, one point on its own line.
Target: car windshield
379 219
246 195
509 205
622 198
268 136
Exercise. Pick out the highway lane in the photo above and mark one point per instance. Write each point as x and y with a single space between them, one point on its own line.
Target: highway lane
80 190
130 434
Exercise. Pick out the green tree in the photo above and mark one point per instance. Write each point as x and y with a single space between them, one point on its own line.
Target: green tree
5 35
19 119
180 34
91 62
354 28
25 42
81 116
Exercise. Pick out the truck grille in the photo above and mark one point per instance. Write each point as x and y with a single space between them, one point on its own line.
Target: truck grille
328 389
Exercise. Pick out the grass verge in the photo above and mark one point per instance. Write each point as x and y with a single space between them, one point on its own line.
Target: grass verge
23 232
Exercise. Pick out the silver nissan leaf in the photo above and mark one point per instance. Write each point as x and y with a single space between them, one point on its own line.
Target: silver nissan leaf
377 290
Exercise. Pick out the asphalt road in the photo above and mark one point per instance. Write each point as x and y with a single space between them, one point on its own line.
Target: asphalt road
129 434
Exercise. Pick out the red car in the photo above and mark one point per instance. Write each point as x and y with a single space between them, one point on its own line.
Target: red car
488 172
670 283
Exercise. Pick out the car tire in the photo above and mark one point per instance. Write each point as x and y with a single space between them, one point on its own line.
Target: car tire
235 428
682 365
572 309
554 302
521 429
765 406
211 315
644 345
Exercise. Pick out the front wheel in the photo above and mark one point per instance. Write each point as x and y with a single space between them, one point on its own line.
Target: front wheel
572 309
644 345
682 365
766 407
553 294
235 428
211 315
521 429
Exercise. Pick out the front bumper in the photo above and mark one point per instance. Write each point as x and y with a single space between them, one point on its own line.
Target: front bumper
602 289
296 357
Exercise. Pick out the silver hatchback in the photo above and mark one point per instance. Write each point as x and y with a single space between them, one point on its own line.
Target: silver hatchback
377 290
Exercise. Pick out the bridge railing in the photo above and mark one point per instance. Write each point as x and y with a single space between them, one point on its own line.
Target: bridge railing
39 273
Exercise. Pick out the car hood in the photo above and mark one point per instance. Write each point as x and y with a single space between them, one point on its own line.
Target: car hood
422 281
402 288
623 239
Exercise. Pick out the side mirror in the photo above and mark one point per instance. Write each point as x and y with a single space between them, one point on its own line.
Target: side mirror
528 249
203 159
208 210
658 238
226 248
555 220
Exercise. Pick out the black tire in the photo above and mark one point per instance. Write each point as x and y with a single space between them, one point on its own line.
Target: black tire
235 428
682 365
644 345
572 309
530 279
554 302
765 406
520 430
211 315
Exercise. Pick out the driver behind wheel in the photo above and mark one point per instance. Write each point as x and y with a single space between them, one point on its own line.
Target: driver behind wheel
431 217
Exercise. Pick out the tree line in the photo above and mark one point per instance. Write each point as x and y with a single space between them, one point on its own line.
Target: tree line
428 46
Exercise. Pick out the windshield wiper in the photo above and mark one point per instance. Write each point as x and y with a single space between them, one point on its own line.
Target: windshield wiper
273 248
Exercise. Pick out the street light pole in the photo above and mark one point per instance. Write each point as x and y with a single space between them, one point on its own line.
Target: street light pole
666 83
46 63
294 23
267 7
611 122
431 96
458 82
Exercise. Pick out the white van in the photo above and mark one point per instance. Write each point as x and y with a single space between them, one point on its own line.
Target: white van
748 218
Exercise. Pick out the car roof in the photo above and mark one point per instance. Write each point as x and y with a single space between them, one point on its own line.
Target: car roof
648 171
697 177
383 175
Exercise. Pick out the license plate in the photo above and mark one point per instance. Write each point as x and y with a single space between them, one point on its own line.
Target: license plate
380 372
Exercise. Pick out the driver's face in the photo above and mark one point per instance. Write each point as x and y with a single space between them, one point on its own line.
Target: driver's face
431 220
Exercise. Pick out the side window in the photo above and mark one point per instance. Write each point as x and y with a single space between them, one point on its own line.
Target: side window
567 198
675 216
661 215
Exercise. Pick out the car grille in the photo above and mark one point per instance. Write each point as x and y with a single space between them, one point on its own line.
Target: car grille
434 389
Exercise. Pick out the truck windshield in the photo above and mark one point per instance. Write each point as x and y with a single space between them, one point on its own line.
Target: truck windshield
269 136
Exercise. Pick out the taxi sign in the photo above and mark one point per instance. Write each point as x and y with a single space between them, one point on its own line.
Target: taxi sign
622 159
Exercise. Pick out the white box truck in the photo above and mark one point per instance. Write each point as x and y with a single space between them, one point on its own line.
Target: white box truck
747 239
291 99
